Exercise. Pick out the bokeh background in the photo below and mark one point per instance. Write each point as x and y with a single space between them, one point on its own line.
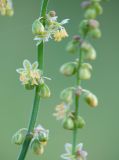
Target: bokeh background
101 134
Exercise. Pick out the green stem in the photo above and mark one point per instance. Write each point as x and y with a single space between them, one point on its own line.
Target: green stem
78 82
35 109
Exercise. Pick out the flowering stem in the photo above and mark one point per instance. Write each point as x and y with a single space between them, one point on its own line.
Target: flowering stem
37 97
78 82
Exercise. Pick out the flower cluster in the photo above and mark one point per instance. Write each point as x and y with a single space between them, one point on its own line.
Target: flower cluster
80 154
64 111
90 26
51 29
6 7
39 138
82 70
31 76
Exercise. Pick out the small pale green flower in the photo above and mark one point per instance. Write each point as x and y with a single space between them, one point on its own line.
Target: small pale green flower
67 95
19 137
41 134
85 71
44 91
37 147
51 30
80 154
89 53
30 75
91 99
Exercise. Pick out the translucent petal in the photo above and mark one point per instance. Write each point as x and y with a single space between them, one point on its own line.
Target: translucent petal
79 146
35 65
38 39
26 64
64 21
53 18
66 156
20 70
68 147
84 154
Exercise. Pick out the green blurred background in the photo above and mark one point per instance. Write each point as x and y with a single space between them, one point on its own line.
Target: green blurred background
101 134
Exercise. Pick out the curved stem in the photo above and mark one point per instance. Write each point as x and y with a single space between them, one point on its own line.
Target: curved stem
78 82
37 98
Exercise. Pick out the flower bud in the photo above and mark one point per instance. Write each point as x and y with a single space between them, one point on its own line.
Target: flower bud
96 33
85 71
90 14
86 66
89 52
44 91
86 4
37 27
66 95
52 13
91 55
19 137
83 27
69 69
68 123
85 74
37 147
73 45
98 8
93 24
80 123
43 138
71 48
91 99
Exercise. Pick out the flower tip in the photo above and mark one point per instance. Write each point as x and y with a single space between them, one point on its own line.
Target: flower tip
64 21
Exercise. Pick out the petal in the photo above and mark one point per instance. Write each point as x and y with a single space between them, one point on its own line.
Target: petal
53 18
38 39
20 70
64 21
26 64
66 156
79 146
35 65
68 147
84 154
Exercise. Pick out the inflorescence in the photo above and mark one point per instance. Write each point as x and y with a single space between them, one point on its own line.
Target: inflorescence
31 76
39 138
89 27
51 30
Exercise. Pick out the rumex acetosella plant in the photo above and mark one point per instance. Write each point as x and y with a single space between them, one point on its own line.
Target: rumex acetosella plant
31 76
68 110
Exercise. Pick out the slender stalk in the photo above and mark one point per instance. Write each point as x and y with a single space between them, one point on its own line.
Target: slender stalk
37 98
78 82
